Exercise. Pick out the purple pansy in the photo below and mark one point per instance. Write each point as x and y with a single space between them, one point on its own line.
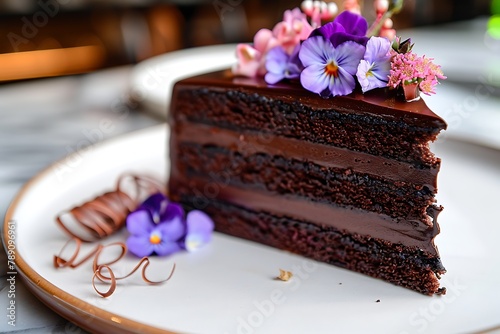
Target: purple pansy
159 227
281 65
374 69
347 26
329 70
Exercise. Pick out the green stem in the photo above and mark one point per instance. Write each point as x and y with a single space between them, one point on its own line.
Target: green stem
377 25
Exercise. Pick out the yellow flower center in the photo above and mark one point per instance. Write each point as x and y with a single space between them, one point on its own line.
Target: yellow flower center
331 69
155 239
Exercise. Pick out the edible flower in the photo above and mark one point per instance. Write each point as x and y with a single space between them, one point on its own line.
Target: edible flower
335 58
409 68
329 70
252 58
374 68
347 26
160 227
288 34
281 65
292 30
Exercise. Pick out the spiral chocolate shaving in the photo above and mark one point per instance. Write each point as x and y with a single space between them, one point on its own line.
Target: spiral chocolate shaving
100 268
107 213
112 279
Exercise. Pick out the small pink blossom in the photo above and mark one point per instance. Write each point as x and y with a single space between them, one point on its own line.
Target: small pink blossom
251 59
427 86
292 30
407 68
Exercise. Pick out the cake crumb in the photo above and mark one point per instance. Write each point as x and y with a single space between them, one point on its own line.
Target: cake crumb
284 275
377 301
441 291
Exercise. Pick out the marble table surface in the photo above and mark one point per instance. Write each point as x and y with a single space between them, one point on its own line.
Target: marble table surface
42 121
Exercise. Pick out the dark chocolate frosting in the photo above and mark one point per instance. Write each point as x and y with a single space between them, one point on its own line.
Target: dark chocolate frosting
383 102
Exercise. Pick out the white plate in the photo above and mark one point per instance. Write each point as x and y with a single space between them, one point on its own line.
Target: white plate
152 80
228 286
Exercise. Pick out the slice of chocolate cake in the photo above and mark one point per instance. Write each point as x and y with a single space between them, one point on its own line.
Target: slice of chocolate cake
348 180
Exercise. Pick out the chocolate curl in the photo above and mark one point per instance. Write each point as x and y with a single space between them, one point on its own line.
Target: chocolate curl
60 262
112 279
99 268
107 213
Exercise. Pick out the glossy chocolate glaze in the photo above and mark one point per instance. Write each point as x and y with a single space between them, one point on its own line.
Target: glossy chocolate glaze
387 104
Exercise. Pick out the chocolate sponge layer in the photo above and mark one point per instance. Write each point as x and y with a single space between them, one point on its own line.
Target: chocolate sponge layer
308 180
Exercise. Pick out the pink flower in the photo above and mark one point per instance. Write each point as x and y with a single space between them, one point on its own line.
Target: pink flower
251 59
407 68
292 30
427 86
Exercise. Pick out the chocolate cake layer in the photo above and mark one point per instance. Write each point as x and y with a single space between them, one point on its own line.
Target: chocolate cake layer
305 179
412 233
363 123
401 265
349 180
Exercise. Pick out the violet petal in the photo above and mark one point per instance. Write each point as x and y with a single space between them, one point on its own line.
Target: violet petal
166 247
172 230
140 245
153 203
342 85
292 71
315 50
280 65
377 50
277 54
275 66
313 79
339 38
199 229
273 78
348 55
172 211
328 30
140 222
353 24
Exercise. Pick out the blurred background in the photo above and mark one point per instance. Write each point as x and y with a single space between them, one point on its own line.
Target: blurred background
41 38
69 66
